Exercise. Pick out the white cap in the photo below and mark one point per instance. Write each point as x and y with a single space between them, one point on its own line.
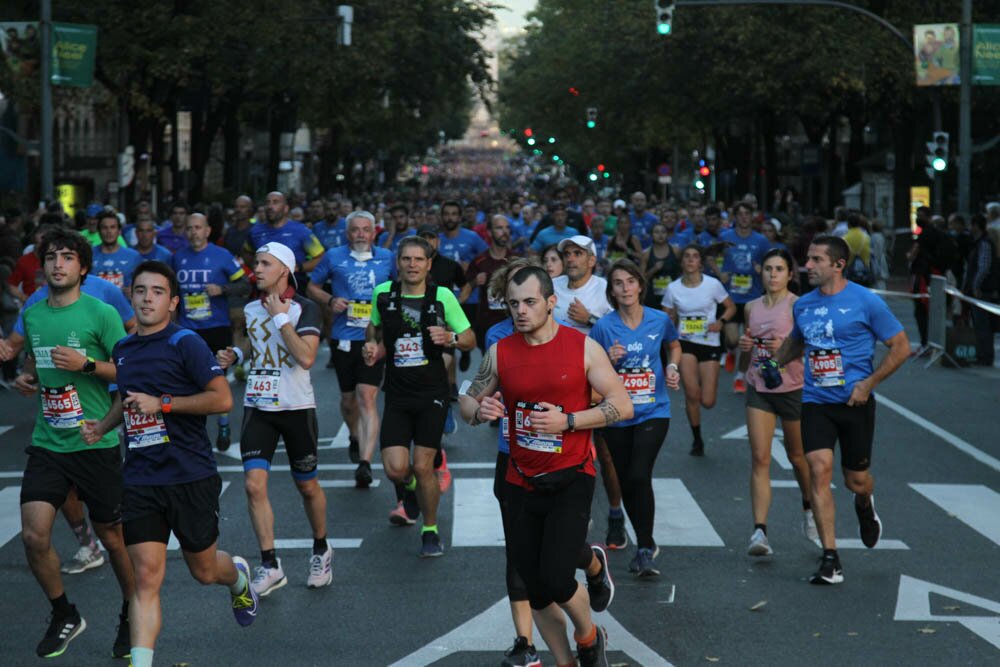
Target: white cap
776 223
283 254
584 242
619 203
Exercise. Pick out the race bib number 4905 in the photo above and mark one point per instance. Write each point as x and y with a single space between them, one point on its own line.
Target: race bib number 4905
827 368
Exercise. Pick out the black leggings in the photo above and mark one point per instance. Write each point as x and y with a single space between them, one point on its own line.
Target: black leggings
634 450
547 536
516 590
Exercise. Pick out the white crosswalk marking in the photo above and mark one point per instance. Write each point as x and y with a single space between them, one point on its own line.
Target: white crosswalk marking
5 428
10 513
975 505
477 521
345 483
777 444
679 521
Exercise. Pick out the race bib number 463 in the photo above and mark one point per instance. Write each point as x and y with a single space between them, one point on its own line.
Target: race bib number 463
262 387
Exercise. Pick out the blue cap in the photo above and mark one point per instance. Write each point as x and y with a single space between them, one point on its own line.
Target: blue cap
93 210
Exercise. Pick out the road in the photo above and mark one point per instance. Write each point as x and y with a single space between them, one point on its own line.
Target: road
929 595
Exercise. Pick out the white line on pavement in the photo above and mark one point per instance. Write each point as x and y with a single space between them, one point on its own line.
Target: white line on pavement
477 521
10 513
975 505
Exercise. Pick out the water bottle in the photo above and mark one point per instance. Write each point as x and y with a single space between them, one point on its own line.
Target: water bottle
771 372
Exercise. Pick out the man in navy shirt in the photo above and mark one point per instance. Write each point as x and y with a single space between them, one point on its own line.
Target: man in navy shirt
836 326
168 381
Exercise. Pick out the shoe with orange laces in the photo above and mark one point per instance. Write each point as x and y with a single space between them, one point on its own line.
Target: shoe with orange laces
443 474
399 517
730 362
739 386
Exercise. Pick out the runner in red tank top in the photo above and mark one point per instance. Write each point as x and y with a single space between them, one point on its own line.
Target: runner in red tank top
547 372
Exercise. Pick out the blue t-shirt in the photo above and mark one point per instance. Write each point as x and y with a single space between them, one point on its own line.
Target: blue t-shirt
170 448
212 265
739 260
116 267
295 235
551 236
354 281
641 369
394 246
101 290
166 237
641 226
706 238
331 234
464 248
681 237
839 332
158 253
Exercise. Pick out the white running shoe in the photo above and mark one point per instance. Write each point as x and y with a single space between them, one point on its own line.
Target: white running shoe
85 559
320 569
809 526
759 546
268 579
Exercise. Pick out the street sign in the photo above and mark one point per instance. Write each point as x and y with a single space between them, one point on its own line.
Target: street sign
126 166
663 169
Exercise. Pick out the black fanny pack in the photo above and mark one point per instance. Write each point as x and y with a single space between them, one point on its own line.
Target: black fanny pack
548 483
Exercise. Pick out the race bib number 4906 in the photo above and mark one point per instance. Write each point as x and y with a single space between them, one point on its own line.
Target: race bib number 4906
640 383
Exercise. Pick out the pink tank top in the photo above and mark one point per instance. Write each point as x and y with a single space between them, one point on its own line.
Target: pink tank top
772 322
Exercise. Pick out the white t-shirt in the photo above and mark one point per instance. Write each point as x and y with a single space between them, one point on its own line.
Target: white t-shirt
695 308
593 296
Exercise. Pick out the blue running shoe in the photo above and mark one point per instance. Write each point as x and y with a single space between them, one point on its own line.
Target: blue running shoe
450 425
431 545
245 602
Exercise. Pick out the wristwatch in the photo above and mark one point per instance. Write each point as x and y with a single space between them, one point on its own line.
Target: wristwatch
570 422
454 339
90 366
592 320
166 404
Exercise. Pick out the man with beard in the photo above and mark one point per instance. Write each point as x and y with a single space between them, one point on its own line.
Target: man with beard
278 228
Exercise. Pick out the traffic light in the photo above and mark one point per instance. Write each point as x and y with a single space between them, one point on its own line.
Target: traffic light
664 16
703 169
937 153
528 132
531 141
591 118
552 140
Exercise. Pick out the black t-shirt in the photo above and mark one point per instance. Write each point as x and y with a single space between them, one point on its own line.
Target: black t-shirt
446 272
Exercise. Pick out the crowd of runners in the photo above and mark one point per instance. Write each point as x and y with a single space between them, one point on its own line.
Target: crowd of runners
589 315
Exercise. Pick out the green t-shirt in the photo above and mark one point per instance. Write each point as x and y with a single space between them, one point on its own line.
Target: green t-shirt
408 371
66 398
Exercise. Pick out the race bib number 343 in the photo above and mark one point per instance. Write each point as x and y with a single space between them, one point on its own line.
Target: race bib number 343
409 351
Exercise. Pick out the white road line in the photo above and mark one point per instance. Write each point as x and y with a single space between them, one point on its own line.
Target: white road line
335 543
339 441
975 505
5 428
951 439
489 465
777 444
10 513
679 521
345 483
855 543
477 521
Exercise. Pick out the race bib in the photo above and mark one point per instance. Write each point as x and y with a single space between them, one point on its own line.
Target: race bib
640 383
61 407
540 442
358 314
660 285
197 306
760 351
116 278
262 387
693 326
409 352
827 368
741 283
144 430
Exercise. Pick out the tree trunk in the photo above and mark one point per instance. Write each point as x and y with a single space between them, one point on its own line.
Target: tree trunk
231 152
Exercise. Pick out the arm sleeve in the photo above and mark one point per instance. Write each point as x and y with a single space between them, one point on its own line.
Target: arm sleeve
668 298
112 330
454 316
376 319
310 322
199 362
116 299
233 268
719 294
459 276
321 274
796 332
313 247
599 335
880 318
669 331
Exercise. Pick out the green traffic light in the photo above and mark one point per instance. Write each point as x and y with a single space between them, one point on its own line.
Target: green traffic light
663 28
552 140
939 164
591 124
555 158
531 141
607 174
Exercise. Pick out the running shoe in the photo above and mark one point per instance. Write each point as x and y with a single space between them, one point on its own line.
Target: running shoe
645 565
869 525
829 571
123 642
730 362
431 545
363 475
85 559
759 546
595 655
634 565
222 440
697 448
739 386
266 579
601 588
245 602
450 425
399 517
61 631
442 472
617 537
809 525
320 569
353 449
521 654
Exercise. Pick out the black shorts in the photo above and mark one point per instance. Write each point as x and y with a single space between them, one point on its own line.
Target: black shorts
96 474
823 424
190 510
419 421
701 352
299 430
352 369
785 404
218 338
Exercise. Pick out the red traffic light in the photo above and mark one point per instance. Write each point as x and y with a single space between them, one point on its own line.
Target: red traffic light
528 132
704 171
600 167
573 91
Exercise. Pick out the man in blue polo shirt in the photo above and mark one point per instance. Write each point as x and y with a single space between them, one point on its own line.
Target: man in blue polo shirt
208 276
278 228
146 245
353 271
462 245
112 262
836 326
168 381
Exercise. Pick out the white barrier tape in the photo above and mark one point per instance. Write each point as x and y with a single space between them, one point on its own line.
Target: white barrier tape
904 295
979 303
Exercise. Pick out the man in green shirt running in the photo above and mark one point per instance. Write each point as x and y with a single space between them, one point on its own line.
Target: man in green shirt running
68 338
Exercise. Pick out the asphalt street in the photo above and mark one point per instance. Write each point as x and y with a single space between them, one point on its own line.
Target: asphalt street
929 595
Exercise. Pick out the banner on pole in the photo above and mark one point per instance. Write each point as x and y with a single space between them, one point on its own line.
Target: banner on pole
986 54
935 52
74 49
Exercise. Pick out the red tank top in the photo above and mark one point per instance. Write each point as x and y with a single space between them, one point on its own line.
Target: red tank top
553 372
